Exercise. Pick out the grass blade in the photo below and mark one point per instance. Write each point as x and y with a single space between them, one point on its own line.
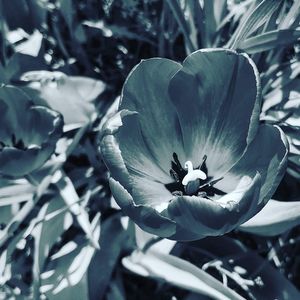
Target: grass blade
179 16
261 14
269 40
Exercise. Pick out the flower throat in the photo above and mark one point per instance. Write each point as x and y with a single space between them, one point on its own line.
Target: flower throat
190 181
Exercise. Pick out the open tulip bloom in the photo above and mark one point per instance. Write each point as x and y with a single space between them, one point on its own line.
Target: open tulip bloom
187 155
28 133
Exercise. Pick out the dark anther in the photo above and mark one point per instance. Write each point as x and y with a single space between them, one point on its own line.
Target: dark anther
175 156
174 175
176 166
17 143
203 166
177 193
13 139
206 187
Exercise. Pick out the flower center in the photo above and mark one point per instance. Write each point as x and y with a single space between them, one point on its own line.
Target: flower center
192 181
13 143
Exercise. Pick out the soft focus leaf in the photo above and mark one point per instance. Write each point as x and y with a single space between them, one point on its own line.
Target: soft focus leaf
275 218
65 276
291 17
70 196
32 45
72 96
51 223
180 18
66 8
178 272
214 11
112 241
254 274
15 191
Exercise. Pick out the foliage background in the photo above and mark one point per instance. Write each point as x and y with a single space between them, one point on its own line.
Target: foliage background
62 236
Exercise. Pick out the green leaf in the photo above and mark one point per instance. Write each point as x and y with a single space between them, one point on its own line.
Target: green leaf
32 45
254 274
66 8
72 96
269 40
51 223
260 15
70 197
15 191
275 218
214 11
65 276
180 18
178 272
112 240
290 20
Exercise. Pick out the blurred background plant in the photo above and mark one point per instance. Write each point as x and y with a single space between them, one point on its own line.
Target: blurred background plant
61 234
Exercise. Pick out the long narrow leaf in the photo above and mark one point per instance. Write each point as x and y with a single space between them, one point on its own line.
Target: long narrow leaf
179 16
269 40
178 272
256 19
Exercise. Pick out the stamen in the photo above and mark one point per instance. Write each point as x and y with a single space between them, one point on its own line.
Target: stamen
175 156
190 181
174 175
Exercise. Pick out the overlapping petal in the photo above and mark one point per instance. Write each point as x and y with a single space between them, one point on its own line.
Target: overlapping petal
206 217
217 97
144 215
146 92
267 154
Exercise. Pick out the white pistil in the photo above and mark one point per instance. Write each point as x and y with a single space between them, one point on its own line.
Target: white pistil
192 174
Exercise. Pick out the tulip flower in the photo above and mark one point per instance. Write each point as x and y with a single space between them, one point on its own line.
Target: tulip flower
28 133
187 155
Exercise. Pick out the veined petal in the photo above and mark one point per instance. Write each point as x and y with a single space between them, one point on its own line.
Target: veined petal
136 154
110 150
157 128
135 171
267 154
144 216
146 191
208 217
217 97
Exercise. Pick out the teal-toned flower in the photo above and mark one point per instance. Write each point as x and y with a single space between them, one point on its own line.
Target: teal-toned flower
28 133
186 153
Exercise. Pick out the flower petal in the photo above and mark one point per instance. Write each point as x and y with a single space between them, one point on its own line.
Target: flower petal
145 216
147 191
137 156
217 97
110 150
267 154
16 162
207 217
146 91
131 157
